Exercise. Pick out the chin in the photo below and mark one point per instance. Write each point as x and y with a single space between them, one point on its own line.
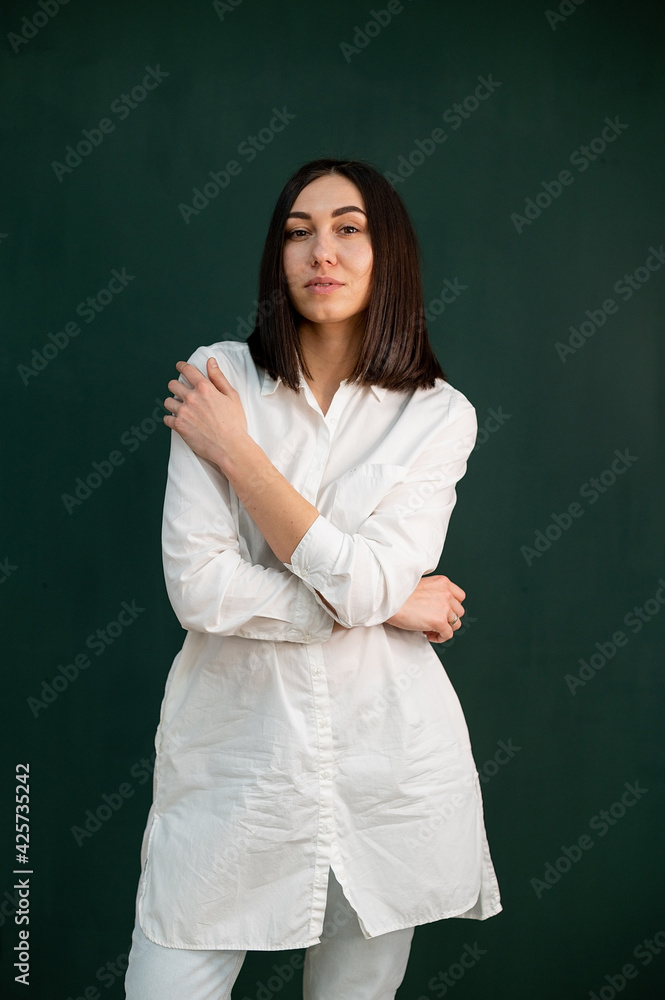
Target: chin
334 318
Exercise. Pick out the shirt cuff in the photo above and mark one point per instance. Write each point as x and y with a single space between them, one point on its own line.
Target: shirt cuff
316 553
311 622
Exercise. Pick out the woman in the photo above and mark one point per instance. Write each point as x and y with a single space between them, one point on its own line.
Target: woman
314 783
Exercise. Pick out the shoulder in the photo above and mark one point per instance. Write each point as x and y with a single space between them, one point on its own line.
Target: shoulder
443 405
232 356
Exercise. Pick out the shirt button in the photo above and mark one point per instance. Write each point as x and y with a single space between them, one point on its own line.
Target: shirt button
307 637
326 774
317 670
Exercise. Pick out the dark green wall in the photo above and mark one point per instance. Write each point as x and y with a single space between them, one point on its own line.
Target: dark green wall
531 616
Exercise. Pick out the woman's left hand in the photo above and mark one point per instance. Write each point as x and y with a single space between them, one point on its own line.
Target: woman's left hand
209 415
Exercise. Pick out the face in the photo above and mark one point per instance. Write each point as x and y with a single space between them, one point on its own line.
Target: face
327 237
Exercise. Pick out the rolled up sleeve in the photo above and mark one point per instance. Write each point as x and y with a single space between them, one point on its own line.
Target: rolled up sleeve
211 586
367 576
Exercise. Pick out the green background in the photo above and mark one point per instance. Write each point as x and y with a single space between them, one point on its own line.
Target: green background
530 618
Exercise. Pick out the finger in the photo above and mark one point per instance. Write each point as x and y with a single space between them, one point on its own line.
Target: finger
440 636
178 388
454 621
172 404
453 614
190 372
456 591
215 373
457 609
191 381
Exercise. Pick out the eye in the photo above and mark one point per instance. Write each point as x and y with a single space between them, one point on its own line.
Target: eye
298 233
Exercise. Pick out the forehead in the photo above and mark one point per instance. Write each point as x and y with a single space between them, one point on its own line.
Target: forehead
323 195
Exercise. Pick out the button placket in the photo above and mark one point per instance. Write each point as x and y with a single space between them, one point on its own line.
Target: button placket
321 706
325 841
327 426
318 464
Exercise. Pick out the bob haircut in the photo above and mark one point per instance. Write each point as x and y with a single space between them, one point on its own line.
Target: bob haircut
396 352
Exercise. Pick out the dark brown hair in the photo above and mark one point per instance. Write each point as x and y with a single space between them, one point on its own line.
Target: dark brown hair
396 352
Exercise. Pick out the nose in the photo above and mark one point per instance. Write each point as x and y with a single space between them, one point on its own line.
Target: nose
323 249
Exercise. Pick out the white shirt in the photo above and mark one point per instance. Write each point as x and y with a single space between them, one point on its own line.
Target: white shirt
283 749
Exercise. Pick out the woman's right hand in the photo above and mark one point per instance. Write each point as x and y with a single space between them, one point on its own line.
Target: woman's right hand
435 601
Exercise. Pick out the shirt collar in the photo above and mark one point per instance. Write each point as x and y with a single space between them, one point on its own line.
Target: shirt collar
269 385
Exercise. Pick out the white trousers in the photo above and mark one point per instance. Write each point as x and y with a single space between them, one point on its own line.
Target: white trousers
343 966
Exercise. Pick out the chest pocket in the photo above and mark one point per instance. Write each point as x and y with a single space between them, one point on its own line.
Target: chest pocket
359 492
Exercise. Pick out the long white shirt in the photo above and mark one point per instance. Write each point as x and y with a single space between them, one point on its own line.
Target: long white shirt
283 749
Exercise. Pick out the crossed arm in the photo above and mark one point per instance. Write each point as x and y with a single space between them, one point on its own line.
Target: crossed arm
210 419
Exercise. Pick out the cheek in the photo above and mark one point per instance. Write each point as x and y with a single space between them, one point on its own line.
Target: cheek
364 261
293 262
289 273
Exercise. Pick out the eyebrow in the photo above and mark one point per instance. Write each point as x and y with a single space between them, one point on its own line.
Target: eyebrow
335 212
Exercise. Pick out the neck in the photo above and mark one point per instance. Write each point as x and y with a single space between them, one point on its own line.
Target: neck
330 350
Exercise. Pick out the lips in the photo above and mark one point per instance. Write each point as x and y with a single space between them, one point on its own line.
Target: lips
322 280
319 289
